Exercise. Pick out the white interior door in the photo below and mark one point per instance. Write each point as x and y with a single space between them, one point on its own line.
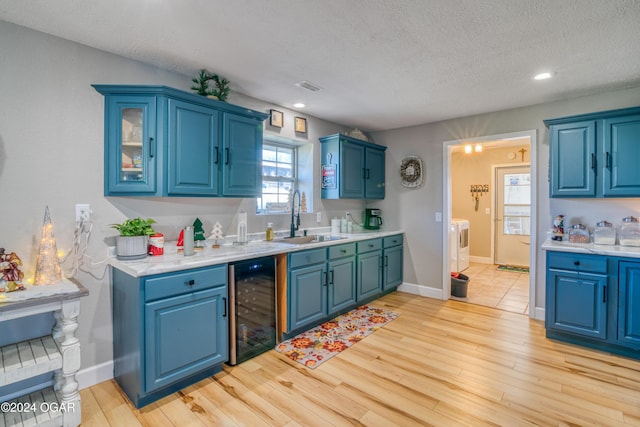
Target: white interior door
513 215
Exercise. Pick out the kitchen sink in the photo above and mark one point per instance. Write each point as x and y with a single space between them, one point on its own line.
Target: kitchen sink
301 240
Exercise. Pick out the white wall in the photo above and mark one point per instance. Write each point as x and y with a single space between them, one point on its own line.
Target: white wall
414 210
51 153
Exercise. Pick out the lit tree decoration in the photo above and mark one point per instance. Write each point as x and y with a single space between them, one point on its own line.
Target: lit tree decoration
216 234
303 202
48 266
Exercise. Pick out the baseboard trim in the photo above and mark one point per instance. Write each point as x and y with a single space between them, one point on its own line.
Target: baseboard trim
95 374
481 259
539 313
422 290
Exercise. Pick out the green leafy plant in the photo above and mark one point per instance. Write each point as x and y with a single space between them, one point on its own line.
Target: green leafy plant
201 86
135 227
220 87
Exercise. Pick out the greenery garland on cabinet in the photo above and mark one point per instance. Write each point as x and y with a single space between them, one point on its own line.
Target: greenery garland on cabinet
219 89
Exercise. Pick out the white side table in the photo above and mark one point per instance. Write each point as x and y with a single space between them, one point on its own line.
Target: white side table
58 353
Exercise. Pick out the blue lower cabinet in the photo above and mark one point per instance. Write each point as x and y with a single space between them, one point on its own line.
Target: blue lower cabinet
370 267
185 335
577 304
594 300
629 304
308 295
169 330
341 287
392 262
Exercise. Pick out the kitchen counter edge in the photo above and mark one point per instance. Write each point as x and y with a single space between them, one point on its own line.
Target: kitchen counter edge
152 265
591 248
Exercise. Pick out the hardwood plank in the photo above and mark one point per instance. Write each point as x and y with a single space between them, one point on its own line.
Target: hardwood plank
441 363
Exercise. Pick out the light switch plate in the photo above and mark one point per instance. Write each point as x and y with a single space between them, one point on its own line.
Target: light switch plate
438 216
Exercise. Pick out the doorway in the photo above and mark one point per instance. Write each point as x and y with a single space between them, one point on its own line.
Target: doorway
477 201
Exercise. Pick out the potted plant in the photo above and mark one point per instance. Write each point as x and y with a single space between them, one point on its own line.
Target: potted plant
132 243
219 90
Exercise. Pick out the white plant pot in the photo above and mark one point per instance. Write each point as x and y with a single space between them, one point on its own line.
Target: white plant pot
131 247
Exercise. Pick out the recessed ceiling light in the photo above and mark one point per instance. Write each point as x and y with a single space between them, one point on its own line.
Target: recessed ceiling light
542 76
299 105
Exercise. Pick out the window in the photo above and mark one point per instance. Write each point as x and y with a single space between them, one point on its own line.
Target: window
517 204
279 177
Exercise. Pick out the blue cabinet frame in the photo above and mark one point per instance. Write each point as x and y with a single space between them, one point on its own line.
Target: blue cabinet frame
192 145
595 155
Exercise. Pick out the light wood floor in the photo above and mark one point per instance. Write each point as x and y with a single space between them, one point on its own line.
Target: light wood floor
506 290
442 363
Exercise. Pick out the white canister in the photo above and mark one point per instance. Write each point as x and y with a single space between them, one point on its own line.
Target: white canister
188 241
335 226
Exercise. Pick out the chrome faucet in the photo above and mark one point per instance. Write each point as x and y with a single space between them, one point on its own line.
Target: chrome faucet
295 219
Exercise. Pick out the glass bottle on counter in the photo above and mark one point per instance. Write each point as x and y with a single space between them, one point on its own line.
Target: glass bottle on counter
604 233
269 232
630 232
578 233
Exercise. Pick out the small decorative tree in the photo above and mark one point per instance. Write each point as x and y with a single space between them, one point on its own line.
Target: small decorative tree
198 234
303 202
216 234
201 86
48 270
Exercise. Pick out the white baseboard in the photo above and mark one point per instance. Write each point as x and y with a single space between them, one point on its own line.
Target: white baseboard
422 290
95 374
481 260
538 313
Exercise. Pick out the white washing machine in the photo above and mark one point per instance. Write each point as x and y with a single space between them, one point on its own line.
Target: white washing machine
459 244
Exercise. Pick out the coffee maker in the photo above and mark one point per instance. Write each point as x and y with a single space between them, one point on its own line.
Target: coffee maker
372 219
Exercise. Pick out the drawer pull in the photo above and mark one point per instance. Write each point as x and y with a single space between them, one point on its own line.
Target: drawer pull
190 282
370 245
343 251
576 263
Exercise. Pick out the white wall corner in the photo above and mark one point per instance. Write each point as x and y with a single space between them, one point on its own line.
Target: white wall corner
95 374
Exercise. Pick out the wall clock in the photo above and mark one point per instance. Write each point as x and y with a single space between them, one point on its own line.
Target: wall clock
411 172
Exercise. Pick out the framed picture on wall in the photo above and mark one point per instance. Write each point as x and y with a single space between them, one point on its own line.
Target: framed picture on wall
301 125
276 118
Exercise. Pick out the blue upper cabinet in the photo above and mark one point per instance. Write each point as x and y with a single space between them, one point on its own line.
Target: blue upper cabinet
194 149
594 155
621 154
242 151
132 153
161 141
352 168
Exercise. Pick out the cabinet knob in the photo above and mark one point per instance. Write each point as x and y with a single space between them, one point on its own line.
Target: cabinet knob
576 263
190 282
344 251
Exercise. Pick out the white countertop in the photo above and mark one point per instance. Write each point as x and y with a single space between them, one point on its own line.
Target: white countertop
173 261
591 248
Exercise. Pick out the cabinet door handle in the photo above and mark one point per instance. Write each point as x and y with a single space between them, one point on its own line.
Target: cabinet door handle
331 280
217 156
224 305
608 161
364 173
368 173
386 260
152 147
190 282
326 279
604 293
226 156
593 161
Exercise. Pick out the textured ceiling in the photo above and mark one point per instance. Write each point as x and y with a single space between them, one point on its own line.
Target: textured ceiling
381 64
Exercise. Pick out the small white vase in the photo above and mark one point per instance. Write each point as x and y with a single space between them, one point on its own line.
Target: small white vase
131 247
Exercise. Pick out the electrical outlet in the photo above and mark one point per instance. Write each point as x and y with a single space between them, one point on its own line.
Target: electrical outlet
438 216
319 217
83 212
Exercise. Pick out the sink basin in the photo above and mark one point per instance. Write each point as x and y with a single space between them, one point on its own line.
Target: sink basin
300 240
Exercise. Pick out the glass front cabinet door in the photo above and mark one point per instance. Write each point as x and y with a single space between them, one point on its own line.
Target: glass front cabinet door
131 149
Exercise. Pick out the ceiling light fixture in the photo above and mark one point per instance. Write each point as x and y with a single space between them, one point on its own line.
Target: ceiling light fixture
299 105
542 76
478 148
467 149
